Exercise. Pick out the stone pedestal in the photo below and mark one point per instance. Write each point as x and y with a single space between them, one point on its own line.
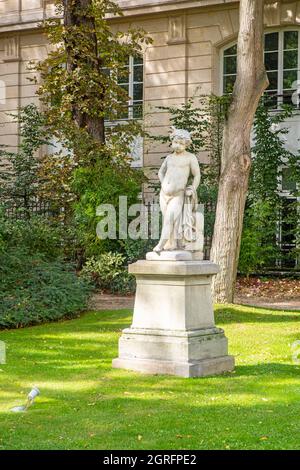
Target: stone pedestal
173 330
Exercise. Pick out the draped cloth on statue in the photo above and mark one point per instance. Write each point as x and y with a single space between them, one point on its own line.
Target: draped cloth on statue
184 227
188 217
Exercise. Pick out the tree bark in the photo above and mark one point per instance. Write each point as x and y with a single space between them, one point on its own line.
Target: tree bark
77 13
250 83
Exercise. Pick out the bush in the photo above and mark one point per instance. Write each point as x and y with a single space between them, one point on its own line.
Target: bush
258 245
35 235
34 290
108 271
137 249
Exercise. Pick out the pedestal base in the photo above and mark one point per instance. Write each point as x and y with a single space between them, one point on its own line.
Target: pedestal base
184 353
202 368
175 255
173 330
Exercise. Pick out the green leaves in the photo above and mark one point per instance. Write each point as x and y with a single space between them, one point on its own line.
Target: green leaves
33 290
267 222
108 271
20 186
76 88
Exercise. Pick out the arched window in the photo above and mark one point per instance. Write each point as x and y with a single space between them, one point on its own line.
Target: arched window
282 63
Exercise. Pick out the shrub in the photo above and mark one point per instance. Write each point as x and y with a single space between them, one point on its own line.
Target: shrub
34 235
258 246
137 249
108 271
34 290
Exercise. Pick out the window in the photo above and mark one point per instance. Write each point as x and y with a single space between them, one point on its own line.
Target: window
131 79
282 64
288 182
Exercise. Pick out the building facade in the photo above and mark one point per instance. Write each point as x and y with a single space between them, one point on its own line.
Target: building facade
193 53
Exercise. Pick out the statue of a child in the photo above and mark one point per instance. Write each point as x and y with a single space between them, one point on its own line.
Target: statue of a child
178 199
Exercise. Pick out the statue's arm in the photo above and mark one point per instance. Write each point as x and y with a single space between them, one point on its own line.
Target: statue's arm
162 170
195 170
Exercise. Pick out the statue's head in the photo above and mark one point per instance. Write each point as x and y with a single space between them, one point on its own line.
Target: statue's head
180 138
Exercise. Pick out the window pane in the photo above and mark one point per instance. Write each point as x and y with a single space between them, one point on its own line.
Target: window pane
271 42
271 101
273 79
231 51
229 81
229 65
138 60
289 78
287 98
291 40
138 73
137 110
288 182
138 91
271 60
290 60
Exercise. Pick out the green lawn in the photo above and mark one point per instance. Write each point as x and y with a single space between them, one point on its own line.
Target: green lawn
85 404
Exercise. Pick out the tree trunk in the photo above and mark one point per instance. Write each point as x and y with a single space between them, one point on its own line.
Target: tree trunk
250 83
78 13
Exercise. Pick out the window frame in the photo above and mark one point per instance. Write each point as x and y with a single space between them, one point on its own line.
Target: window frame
130 107
131 83
280 88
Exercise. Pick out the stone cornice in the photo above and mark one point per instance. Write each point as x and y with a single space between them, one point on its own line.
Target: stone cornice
28 20
141 7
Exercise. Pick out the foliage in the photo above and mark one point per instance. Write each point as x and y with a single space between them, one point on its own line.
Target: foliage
102 184
105 268
108 271
19 186
34 290
80 90
55 175
137 249
256 407
36 235
265 203
80 75
259 248
123 284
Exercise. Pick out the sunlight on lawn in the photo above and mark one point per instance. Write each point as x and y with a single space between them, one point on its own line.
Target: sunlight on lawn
85 404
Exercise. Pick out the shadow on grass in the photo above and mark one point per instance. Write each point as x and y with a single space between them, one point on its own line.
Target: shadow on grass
248 314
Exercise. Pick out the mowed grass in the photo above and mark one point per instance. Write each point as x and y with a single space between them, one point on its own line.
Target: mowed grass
85 404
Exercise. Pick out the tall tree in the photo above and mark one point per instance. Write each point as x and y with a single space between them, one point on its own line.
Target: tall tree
80 25
80 87
81 74
250 83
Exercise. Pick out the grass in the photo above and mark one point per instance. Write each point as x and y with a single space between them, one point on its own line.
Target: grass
85 404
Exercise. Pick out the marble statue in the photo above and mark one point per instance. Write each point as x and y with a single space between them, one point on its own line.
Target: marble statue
179 175
173 328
